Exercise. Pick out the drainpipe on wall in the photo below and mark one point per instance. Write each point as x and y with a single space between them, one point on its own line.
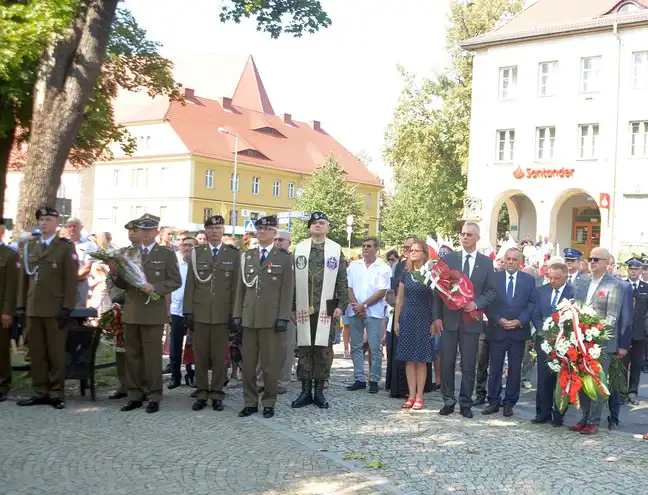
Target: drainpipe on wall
612 209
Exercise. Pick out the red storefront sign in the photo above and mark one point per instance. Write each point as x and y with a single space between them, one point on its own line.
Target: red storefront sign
604 200
543 173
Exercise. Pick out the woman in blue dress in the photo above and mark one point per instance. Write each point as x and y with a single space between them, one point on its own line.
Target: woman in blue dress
413 325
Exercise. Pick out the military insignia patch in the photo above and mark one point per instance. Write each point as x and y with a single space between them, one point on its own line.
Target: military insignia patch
332 263
301 262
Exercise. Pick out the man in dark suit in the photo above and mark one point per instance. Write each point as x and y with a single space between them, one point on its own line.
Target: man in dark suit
456 328
547 298
509 318
639 326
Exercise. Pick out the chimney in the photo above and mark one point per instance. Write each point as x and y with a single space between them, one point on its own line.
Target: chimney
226 103
315 124
287 118
188 94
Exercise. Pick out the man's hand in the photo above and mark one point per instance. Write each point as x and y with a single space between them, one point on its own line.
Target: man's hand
237 324
358 308
20 316
7 320
189 320
438 326
337 313
622 352
513 324
63 317
471 306
112 264
503 322
146 288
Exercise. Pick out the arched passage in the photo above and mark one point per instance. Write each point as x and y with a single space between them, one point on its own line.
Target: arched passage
522 217
576 221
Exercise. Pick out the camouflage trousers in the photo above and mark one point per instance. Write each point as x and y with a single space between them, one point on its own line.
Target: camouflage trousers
315 361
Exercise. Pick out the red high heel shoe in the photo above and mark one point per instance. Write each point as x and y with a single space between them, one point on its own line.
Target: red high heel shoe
408 404
418 405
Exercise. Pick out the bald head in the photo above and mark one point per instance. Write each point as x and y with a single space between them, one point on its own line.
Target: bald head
598 261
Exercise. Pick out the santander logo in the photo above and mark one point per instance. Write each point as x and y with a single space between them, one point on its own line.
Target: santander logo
543 173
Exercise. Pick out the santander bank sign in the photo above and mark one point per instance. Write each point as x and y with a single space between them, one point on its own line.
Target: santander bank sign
543 173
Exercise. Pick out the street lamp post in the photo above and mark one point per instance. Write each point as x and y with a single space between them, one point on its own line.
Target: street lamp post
235 181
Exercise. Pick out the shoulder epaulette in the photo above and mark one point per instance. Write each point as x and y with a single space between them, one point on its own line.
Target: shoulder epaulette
65 239
284 251
235 248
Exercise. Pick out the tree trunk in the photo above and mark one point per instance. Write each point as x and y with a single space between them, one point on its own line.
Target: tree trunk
6 143
63 88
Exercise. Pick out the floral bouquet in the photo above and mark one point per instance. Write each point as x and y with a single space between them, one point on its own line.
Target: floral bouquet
573 343
455 288
129 267
110 322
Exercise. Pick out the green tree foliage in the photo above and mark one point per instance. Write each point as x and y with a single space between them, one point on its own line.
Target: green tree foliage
428 139
327 190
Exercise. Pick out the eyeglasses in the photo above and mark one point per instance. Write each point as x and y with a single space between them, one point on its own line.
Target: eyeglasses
596 260
415 250
279 239
467 234
405 248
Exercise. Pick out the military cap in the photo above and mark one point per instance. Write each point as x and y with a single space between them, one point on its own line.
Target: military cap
269 221
130 225
46 211
317 215
150 217
644 259
36 232
572 254
146 223
634 262
214 220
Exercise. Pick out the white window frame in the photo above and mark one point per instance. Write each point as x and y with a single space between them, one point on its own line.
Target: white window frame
590 78
545 135
207 213
508 82
640 69
588 141
639 139
163 213
234 183
291 190
276 188
256 185
164 173
550 86
115 177
114 215
209 178
505 151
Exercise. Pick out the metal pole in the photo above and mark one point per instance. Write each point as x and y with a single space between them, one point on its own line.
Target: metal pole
236 184
349 251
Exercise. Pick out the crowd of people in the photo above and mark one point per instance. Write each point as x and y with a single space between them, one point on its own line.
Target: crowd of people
244 312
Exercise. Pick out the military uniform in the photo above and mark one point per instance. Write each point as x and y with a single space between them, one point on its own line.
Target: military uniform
47 290
639 326
263 307
9 271
212 278
144 320
314 361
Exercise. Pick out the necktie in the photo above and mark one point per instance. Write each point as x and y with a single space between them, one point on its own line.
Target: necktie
634 286
145 251
554 301
509 290
570 279
215 252
264 252
466 267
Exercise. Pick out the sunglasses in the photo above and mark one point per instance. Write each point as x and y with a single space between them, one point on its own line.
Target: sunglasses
367 246
405 248
596 260
279 239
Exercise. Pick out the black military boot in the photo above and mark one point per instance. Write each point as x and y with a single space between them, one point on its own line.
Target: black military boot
306 396
320 399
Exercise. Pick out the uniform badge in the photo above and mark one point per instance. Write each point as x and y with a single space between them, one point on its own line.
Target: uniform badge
227 274
157 274
301 262
54 265
332 263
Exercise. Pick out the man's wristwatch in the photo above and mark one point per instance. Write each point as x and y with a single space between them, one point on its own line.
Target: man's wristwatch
364 305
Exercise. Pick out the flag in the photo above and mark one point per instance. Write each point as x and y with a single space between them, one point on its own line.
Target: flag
433 247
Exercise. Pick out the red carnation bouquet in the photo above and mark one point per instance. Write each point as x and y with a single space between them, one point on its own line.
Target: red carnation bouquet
455 288
110 322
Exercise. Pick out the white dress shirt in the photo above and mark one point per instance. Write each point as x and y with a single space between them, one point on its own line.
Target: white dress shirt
366 281
592 289
267 248
212 247
471 261
508 279
560 291
148 248
177 296
47 242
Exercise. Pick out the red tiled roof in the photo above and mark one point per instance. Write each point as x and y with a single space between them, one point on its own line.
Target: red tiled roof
551 17
250 92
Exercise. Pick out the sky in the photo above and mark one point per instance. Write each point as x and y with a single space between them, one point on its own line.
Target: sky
344 76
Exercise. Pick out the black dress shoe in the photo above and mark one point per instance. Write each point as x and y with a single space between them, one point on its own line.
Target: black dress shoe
199 405
466 412
357 385
167 369
131 405
58 403
538 420
491 409
153 407
3 397
34 401
508 411
633 400
268 412
248 411
194 394
173 383
373 387
557 423
446 410
479 401
190 381
217 405
612 425
118 395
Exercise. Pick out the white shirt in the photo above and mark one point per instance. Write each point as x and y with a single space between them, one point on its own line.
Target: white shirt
177 296
47 242
508 279
592 289
212 247
548 248
560 291
148 248
83 249
471 262
268 248
572 276
634 284
366 281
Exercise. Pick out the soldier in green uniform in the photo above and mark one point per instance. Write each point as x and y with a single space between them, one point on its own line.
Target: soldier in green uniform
144 318
9 270
320 296
47 294
212 277
263 309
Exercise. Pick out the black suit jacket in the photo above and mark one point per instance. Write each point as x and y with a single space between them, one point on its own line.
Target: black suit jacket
524 301
483 279
640 317
543 308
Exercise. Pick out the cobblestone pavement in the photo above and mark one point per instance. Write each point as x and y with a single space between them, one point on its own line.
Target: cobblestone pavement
364 444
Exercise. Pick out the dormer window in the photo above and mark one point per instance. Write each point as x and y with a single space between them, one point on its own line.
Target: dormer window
253 154
628 8
271 131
